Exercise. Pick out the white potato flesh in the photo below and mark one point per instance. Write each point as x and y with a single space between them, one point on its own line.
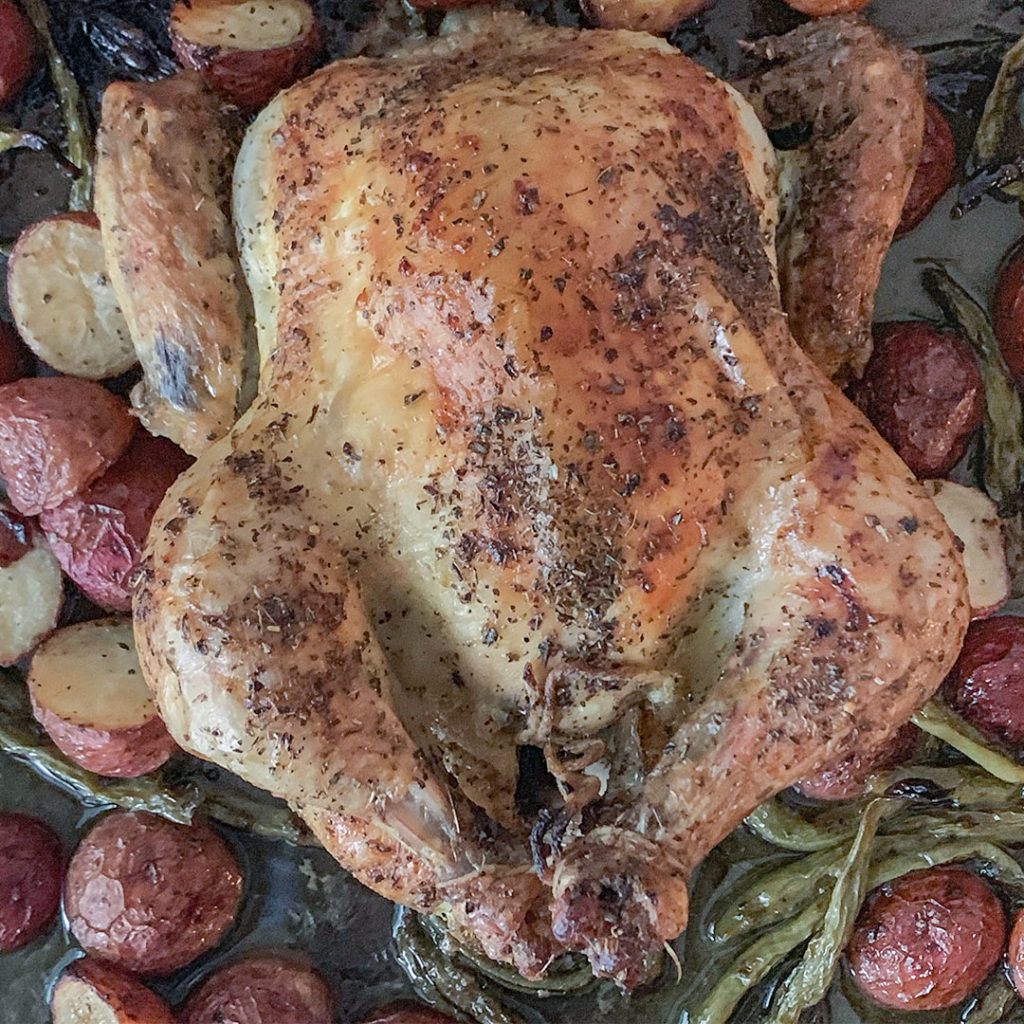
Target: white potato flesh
31 595
255 25
974 519
88 674
62 301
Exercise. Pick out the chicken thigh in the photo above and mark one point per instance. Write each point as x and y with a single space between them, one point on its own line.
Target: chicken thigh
544 554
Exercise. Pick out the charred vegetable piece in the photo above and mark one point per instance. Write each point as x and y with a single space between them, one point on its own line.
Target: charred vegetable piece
923 392
92 992
57 434
927 940
246 49
31 870
72 107
150 895
986 685
259 989
88 693
934 169
16 361
62 300
98 534
17 51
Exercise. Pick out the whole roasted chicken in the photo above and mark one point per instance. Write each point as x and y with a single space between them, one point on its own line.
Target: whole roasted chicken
545 553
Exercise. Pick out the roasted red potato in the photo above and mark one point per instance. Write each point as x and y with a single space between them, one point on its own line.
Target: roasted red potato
57 434
934 169
974 519
88 693
845 779
150 895
408 1013
825 8
927 940
31 869
62 300
923 392
986 685
31 586
16 361
658 16
259 990
17 51
1015 953
1008 311
92 992
247 50
98 535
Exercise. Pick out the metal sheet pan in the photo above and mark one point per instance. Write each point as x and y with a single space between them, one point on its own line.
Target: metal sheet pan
297 896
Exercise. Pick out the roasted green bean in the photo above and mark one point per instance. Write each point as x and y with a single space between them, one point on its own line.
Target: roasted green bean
73 110
939 720
779 825
807 984
991 1005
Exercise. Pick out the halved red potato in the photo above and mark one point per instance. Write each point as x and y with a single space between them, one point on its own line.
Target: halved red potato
17 51
31 586
259 989
658 16
148 894
92 992
98 535
825 8
973 517
247 50
88 693
31 871
62 301
57 434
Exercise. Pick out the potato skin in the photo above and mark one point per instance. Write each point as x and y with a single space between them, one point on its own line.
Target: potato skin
57 434
1008 311
261 989
148 894
844 780
1015 953
927 940
31 871
986 685
98 535
116 753
923 392
17 51
825 8
248 78
934 169
123 993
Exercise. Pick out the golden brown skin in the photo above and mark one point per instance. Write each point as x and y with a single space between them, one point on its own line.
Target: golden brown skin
163 181
863 98
535 463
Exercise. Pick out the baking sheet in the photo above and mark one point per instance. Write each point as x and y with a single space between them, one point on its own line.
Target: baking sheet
298 897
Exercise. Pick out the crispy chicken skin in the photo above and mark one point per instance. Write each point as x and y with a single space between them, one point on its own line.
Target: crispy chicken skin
536 475
861 99
163 185
659 16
